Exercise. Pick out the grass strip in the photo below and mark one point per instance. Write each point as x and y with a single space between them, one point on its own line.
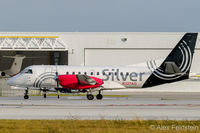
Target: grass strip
98 126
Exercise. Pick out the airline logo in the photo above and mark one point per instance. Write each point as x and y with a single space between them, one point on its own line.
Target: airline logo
177 64
121 76
186 60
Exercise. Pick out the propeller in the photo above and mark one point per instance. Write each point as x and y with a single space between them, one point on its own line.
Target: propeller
57 81
56 78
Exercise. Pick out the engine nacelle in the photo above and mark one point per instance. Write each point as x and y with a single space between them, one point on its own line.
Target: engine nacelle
72 82
3 74
69 81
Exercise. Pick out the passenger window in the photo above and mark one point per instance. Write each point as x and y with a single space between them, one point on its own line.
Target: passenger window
91 73
73 73
121 73
79 72
85 73
67 73
97 73
127 73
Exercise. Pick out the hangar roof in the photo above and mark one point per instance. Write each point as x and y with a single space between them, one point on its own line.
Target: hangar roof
32 43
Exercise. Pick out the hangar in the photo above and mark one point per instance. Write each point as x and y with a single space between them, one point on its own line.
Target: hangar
87 48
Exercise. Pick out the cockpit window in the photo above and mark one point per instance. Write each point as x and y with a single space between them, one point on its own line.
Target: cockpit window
27 71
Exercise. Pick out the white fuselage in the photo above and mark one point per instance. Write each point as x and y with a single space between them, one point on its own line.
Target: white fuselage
43 76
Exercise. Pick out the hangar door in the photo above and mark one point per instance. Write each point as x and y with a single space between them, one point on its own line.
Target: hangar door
123 56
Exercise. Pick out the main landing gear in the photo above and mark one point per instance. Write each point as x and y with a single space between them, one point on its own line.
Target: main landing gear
91 97
99 96
26 96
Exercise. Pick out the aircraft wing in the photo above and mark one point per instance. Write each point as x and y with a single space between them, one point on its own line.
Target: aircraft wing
109 85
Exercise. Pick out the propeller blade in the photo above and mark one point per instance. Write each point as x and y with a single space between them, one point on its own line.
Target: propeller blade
57 81
57 84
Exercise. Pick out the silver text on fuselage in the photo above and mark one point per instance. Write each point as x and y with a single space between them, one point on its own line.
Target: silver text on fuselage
121 76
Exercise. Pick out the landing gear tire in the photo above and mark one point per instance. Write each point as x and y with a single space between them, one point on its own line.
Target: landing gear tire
99 97
26 96
90 97
45 95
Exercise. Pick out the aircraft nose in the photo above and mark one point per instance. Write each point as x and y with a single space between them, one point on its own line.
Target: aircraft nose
10 82
13 81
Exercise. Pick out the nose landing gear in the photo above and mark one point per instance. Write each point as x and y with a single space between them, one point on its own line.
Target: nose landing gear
26 96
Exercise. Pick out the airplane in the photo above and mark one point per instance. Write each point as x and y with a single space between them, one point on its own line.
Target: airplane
15 68
88 79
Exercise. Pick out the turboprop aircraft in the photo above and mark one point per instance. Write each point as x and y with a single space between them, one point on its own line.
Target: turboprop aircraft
88 79
15 68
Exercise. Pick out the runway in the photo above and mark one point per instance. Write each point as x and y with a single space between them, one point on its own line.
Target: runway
143 105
